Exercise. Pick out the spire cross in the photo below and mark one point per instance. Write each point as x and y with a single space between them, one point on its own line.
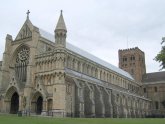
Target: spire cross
28 12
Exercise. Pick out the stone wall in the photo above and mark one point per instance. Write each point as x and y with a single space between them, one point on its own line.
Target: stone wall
156 92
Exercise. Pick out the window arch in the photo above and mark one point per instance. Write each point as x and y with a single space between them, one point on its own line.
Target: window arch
21 62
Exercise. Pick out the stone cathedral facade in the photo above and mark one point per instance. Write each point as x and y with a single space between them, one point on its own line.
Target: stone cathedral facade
43 74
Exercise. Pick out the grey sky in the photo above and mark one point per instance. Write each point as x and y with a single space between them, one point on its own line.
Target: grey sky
100 27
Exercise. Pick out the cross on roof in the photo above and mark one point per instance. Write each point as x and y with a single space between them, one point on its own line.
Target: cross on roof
28 12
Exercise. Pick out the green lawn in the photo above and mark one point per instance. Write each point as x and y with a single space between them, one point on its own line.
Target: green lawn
9 119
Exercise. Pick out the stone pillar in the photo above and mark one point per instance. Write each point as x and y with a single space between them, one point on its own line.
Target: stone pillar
27 102
20 103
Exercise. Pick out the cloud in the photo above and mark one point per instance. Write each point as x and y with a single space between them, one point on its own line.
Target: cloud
99 27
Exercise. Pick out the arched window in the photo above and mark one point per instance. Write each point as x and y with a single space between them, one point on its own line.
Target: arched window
22 60
96 73
124 59
100 75
132 58
78 66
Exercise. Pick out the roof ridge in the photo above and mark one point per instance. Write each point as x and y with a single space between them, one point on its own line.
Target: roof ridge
86 54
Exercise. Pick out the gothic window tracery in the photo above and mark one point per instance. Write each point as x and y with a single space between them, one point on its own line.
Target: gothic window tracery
23 55
22 59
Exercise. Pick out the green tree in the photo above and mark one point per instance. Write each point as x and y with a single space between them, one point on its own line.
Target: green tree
161 56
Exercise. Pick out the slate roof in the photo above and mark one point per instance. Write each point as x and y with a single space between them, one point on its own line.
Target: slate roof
87 55
153 77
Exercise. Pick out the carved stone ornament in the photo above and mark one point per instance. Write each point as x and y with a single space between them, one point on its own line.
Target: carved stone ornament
23 55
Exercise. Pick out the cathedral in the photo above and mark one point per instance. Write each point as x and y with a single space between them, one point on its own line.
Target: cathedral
43 74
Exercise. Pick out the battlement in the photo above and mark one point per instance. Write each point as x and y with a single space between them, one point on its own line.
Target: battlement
131 49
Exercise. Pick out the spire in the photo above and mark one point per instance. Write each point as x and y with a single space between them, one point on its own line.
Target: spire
60 32
61 24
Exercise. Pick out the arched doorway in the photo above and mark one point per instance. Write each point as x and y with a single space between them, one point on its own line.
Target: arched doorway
14 106
39 105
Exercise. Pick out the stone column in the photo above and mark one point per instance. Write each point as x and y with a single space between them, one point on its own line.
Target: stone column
20 103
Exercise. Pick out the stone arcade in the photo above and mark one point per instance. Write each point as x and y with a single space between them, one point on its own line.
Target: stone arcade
43 74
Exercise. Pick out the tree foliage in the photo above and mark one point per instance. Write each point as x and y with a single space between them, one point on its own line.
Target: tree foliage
161 56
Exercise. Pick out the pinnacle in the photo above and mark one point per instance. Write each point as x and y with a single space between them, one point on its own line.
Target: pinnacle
61 23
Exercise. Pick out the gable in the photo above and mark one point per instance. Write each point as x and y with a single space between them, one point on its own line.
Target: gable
24 33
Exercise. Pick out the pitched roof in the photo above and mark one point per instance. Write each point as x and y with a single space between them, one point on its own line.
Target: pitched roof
154 77
87 55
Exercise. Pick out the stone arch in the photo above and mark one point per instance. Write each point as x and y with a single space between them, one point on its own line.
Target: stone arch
10 92
37 101
12 100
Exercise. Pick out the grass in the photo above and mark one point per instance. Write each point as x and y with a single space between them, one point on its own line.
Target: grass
11 119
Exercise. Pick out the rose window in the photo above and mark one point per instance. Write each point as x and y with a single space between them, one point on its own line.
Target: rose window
23 55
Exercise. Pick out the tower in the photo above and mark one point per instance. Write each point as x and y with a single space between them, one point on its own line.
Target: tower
133 61
59 87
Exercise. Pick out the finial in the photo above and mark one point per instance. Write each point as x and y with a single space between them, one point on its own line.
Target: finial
61 11
28 12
